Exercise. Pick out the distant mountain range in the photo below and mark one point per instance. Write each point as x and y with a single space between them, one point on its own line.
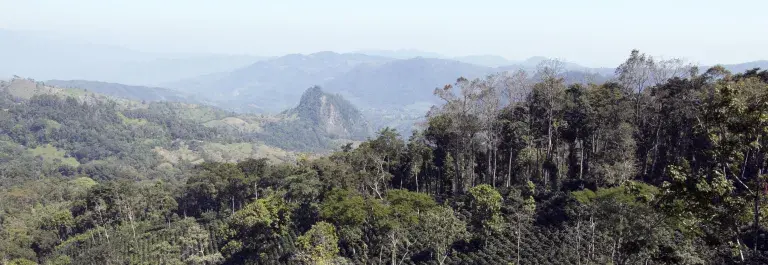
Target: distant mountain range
386 85
273 85
400 82
741 67
45 57
371 81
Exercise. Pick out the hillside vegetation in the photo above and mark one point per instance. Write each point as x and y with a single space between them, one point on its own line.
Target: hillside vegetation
659 168
49 131
137 93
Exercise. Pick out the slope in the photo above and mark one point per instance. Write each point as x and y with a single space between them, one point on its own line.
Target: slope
68 131
140 93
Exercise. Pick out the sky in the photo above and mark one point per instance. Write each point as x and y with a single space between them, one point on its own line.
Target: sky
589 32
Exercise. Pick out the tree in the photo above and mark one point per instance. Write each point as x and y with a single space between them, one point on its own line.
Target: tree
194 242
400 216
636 73
348 212
319 245
633 232
516 86
439 229
611 159
490 103
256 228
459 118
486 206
546 103
519 209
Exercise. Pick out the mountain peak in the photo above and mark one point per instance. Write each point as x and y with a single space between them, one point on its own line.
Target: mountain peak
331 113
323 54
534 60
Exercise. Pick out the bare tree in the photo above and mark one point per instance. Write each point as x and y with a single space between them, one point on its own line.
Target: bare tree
490 103
516 86
636 73
550 69
663 70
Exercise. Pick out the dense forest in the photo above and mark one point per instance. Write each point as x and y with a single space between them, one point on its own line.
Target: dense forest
661 165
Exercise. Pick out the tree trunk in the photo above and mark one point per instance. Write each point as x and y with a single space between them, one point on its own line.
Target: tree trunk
509 169
495 165
133 226
758 192
581 160
518 238
741 253
655 150
578 239
457 176
592 238
488 169
417 182
394 250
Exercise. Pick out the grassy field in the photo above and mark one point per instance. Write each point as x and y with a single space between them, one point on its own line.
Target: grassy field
26 89
130 121
52 154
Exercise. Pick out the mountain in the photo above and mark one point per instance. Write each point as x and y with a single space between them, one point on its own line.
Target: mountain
485 60
532 63
275 84
401 54
398 93
391 92
168 68
401 82
740 68
140 93
321 121
45 56
332 114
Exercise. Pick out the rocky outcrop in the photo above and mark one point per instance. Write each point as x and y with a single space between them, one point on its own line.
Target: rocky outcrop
332 114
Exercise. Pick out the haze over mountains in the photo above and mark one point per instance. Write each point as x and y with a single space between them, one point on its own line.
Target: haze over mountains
392 88
44 57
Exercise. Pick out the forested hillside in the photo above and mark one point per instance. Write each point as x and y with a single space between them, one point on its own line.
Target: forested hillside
47 131
138 93
663 164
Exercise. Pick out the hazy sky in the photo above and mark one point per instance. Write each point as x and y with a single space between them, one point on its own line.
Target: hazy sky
593 33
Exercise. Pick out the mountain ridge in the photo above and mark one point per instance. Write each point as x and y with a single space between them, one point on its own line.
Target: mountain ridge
140 93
